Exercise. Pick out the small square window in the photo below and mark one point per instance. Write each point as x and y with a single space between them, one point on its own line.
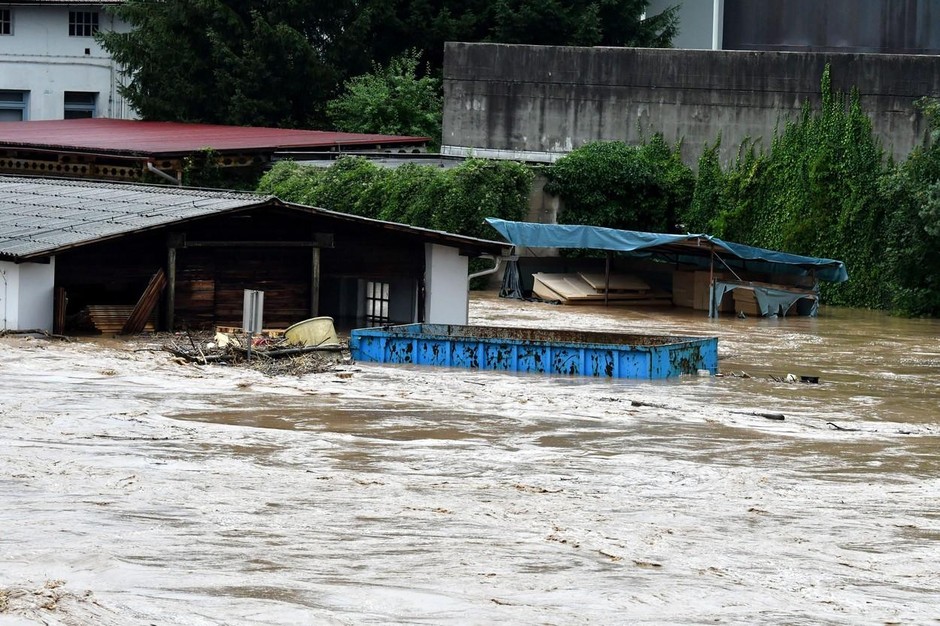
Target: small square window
83 23
79 104
6 21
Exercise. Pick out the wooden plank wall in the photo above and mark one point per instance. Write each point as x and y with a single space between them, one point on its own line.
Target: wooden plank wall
210 284
210 281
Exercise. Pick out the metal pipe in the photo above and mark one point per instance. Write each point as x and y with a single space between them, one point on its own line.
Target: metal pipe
492 270
162 174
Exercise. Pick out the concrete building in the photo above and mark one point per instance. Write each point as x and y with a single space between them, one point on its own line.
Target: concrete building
879 26
51 67
538 103
701 22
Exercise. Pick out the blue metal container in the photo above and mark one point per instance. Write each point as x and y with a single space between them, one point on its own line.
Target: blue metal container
575 353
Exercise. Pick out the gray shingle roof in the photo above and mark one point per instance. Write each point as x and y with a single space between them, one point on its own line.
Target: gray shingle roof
41 216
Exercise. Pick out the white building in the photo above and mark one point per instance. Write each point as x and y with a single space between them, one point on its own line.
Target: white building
52 68
701 22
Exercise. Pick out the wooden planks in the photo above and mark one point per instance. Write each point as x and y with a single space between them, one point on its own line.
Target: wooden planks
692 289
618 282
109 319
583 289
143 311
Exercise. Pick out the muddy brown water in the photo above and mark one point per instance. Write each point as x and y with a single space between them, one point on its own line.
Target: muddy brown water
161 493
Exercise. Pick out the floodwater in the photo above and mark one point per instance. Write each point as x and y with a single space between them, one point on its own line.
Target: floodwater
137 490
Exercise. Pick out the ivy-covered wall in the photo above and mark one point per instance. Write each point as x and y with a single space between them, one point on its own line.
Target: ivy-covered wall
824 187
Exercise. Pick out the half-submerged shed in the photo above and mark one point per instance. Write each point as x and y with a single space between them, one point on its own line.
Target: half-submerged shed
767 282
68 245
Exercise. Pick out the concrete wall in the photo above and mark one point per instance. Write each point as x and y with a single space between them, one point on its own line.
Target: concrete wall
539 102
26 295
447 297
42 59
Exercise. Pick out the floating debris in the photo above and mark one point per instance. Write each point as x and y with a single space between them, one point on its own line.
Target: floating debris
273 356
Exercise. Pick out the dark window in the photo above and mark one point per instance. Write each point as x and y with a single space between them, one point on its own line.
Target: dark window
6 21
80 104
83 23
13 105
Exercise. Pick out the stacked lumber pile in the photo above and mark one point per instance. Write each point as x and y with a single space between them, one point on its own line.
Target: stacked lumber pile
109 319
692 289
587 288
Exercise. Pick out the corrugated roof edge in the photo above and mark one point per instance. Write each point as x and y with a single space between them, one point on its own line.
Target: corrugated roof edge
491 246
467 245
230 194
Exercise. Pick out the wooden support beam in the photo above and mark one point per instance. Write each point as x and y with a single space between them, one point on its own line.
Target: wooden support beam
319 240
607 279
251 244
170 287
315 282
60 302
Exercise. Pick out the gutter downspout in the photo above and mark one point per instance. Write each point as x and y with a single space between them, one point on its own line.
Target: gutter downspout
164 175
492 270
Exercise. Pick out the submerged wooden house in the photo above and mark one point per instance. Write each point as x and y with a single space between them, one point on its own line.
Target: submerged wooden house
68 245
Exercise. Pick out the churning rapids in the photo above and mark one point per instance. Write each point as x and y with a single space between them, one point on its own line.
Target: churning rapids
136 490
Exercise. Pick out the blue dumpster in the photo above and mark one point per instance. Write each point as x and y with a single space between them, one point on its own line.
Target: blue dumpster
574 353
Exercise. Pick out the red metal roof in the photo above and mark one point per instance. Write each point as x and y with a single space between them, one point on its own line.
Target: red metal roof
171 138
77 3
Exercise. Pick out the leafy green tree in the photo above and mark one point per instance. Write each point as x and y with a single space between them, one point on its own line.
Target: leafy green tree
278 62
582 23
234 62
390 100
427 24
615 185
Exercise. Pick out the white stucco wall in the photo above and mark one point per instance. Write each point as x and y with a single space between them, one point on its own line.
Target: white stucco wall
40 57
26 295
447 297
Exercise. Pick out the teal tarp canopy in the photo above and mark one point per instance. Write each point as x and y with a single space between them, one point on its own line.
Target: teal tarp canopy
689 249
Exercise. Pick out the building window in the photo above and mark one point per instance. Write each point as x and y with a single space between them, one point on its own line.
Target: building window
376 303
80 104
6 21
13 105
83 23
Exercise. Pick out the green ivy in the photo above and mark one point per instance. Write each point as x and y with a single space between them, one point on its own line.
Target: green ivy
456 200
815 192
616 185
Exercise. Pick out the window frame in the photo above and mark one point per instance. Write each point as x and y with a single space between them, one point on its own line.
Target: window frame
377 301
10 104
6 22
79 106
83 23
